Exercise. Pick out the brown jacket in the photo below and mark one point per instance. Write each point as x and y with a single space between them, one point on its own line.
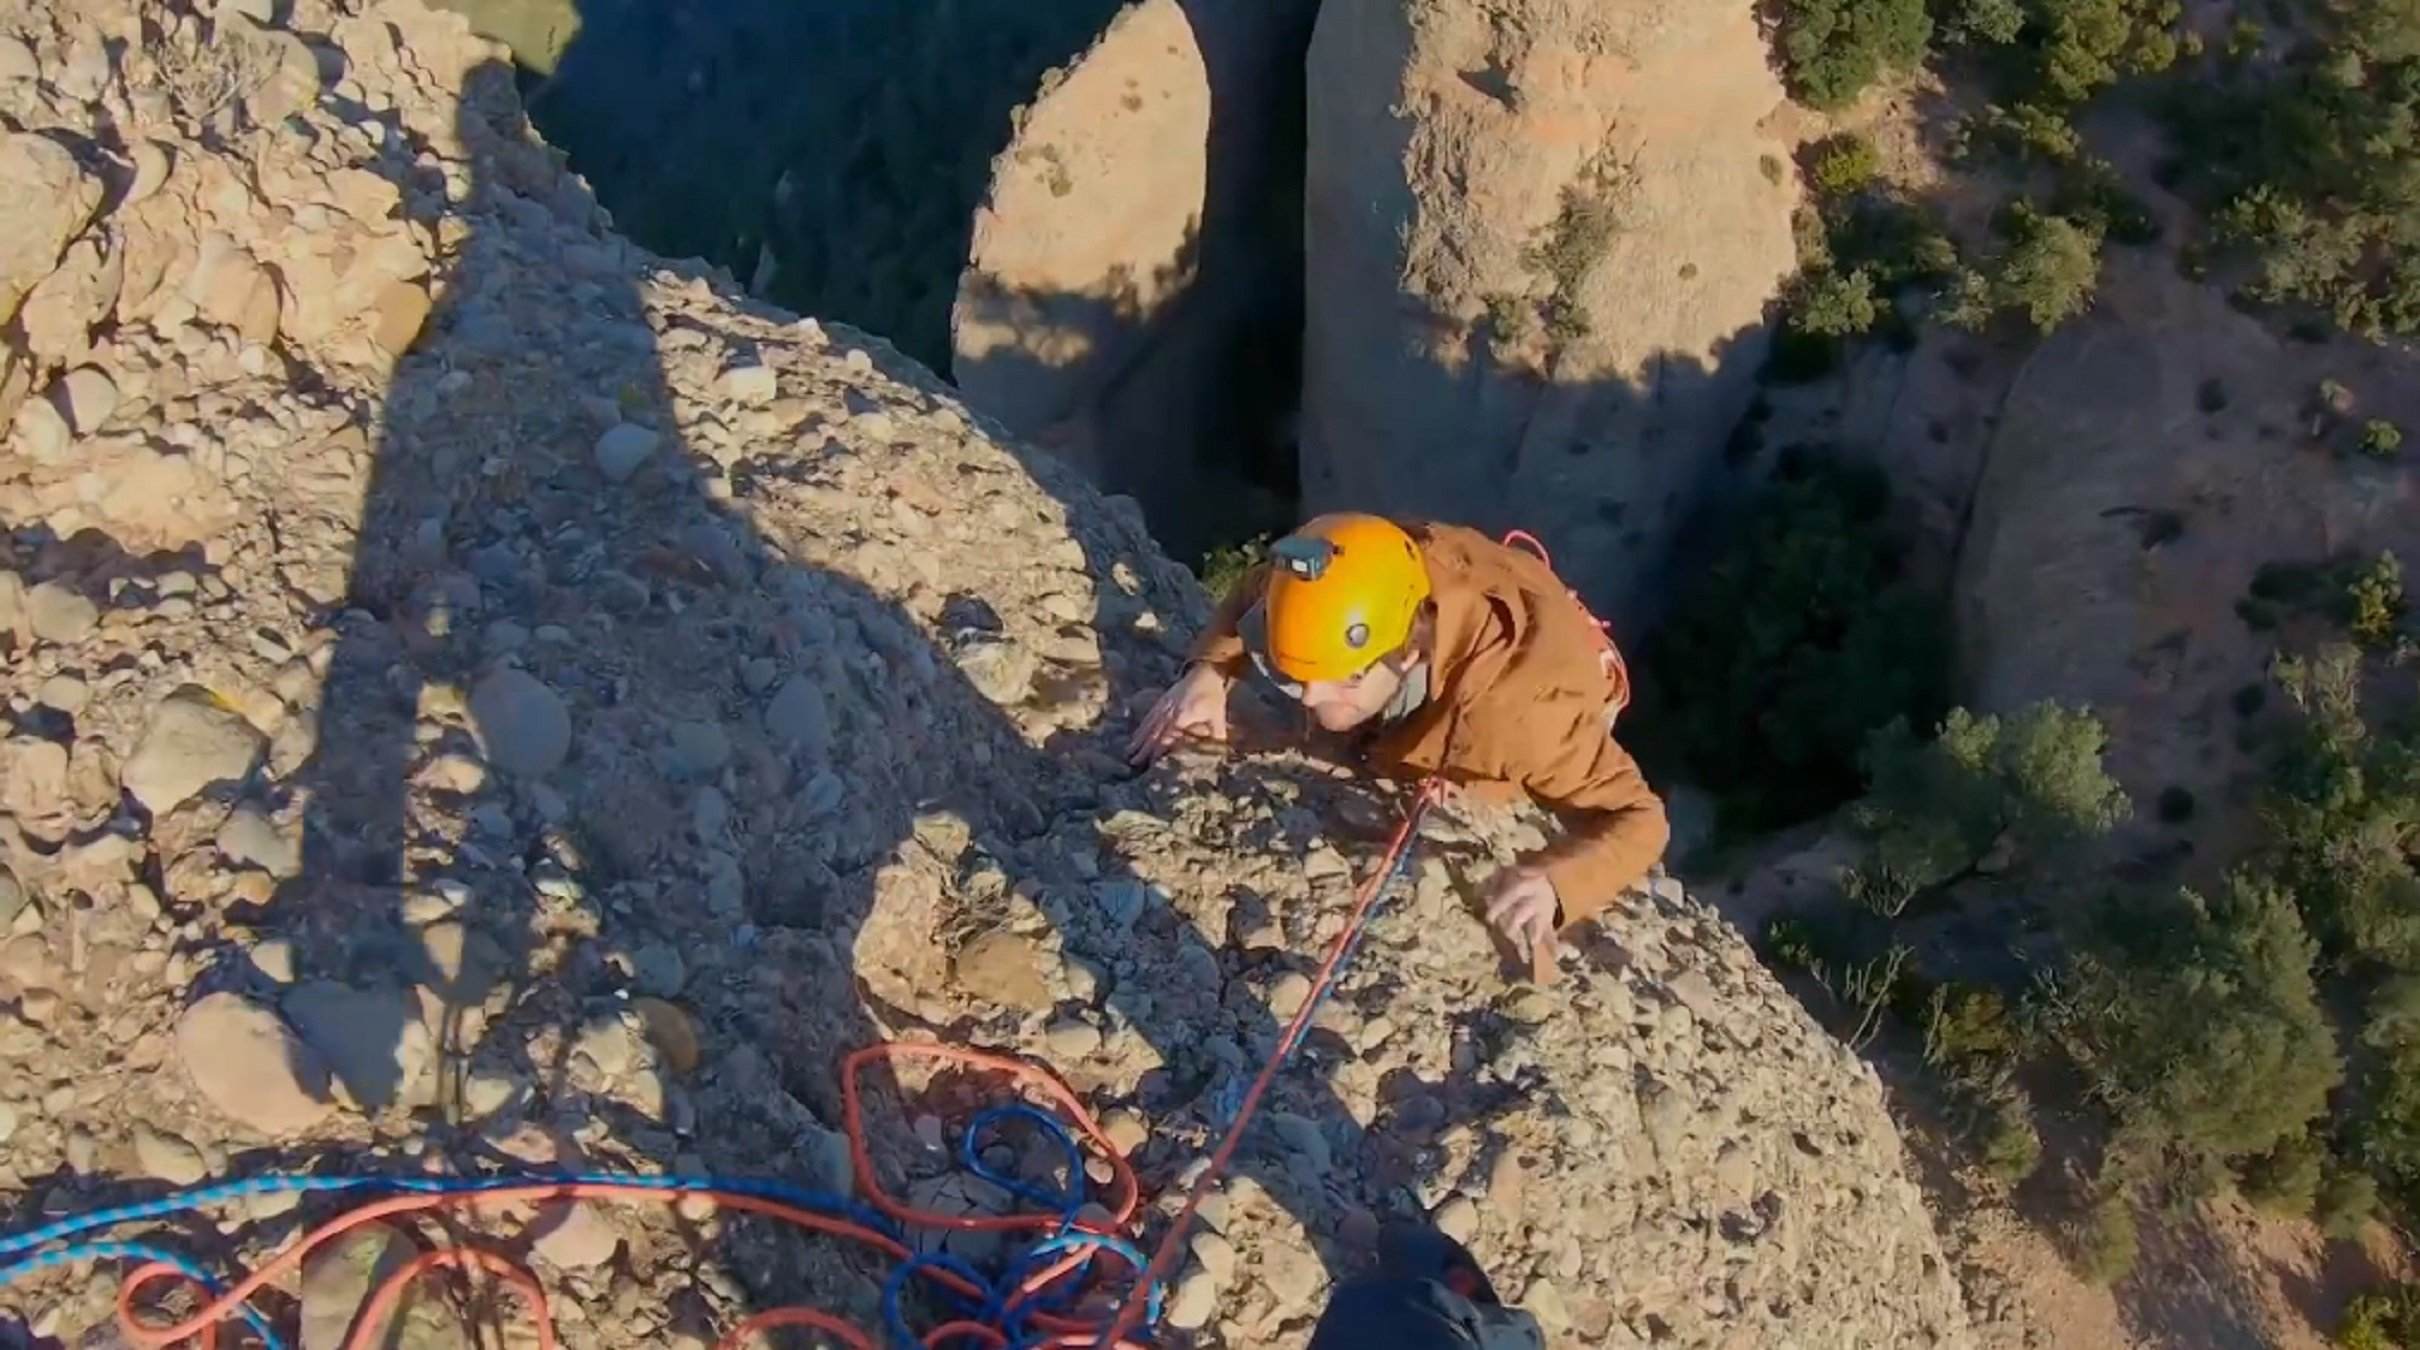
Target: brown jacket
1519 701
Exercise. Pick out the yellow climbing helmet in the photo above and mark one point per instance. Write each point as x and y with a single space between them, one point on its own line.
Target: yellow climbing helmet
1344 591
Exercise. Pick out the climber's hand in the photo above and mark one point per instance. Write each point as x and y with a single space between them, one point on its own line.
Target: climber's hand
1522 907
1195 707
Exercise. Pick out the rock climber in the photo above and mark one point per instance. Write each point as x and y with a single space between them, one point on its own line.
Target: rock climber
1443 653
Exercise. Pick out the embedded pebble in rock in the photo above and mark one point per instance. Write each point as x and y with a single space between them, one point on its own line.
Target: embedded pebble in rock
17 61
673 1033
457 961
798 716
1071 1040
251 1066
12 897
339 1276
522 723
60 613
67 693
250 837
574 1236
1126 1130
1001 671
274 959
192 741
658 969
377 1050
453 773
1545 1303
1289 993
1216 1254
41 430
750 384
1195 1299
700 749
485 1094
51 198
86 397
1457 1218
8 1122
623 448
1295 1283
1003 967
168 1157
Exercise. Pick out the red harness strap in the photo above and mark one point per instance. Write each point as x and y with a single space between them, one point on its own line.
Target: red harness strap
1609 657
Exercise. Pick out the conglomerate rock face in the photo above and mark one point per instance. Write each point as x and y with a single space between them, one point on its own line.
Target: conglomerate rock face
1541 239
483 697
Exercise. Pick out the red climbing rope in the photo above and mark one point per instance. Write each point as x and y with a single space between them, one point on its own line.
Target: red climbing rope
1025 1071
202 1327
1163 1258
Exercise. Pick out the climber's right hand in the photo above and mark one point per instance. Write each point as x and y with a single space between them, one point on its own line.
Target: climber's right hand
1194 708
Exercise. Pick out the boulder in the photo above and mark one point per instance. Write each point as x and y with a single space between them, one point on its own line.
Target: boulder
1132 290
251 1066
1090 226
523 725
192 741
623 448
60 613
50 200
378 1050
1540 240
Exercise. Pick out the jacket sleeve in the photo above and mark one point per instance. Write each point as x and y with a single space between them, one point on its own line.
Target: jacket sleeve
1221 642
1615 827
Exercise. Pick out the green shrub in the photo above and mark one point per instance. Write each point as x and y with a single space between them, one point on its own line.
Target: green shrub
1936 810
2107 1245
2374 601
2052 269
2286 1179
1832 49
2343 800
2246 38
2204 1033
1834 304
1790 943
2094 195
2392 1015
2381 439
1575 241
2088 44
1891 238
1224 566
1968 302
2010 1144
1985 22
2386 1318
1797 641
2313 169
2347 1199
2048 273
1969 1025
1844 164
1859 967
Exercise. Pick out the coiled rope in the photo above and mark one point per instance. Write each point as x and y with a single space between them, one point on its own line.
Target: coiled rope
1024 1308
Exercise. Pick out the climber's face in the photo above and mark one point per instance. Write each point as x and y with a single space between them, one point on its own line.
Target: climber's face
1341 705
